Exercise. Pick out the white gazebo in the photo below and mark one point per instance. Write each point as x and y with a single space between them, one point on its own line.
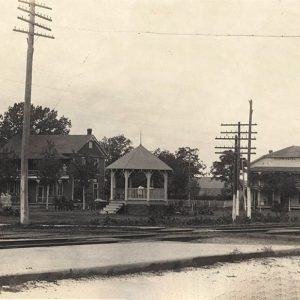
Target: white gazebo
142 160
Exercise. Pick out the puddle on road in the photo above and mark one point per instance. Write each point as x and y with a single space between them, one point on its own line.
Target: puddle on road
269 278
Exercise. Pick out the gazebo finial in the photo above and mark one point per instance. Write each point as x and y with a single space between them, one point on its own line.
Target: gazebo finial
140 137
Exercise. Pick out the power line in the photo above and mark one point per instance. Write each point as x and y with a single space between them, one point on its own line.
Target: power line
169 33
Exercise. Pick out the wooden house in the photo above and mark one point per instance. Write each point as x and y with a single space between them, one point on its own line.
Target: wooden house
66 147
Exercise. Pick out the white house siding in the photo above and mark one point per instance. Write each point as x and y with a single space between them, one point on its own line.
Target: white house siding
274 162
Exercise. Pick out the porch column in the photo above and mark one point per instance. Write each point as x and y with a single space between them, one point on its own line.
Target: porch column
37 190
126 175
237 203
249 202
112 184
148 176
259 198
72 189
166 186
233 206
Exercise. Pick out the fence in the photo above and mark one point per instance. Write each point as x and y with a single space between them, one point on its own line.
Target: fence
202 203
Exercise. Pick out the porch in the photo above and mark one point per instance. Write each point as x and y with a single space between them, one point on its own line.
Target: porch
264 198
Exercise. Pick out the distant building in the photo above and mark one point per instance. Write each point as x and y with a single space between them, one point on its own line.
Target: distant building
66 146
285 162
210 187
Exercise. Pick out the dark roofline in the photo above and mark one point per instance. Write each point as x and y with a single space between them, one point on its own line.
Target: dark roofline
276 169
18 138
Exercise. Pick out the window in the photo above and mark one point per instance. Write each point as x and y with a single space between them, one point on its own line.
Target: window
52 190
269 198
60 188
90 145
97 163
95 190
40 192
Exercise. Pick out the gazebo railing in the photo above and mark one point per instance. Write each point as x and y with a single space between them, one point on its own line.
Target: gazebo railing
137 193
141 193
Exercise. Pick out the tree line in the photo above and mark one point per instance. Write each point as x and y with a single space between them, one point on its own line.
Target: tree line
185 161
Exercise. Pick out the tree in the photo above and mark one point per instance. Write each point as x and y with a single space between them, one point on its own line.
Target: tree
170 159
116 147
43 121
83 168
223 170
189 168
49 168
186 167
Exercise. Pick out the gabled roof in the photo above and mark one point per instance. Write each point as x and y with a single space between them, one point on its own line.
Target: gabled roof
284 160
210 183
289 152
139 159
64 144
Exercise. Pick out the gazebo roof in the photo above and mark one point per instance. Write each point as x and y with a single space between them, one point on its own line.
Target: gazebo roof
139 159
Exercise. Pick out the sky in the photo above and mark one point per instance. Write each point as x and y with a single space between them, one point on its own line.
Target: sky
125 66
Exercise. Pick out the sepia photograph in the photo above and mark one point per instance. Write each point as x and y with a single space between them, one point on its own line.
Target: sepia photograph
150 149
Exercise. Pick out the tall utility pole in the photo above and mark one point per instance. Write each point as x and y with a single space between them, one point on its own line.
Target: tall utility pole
189 182
237 135
31 10
238 169
249 196
234 180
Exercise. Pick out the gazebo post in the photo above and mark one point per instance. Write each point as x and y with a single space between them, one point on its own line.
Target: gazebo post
126 175
148 176
112 184
166 185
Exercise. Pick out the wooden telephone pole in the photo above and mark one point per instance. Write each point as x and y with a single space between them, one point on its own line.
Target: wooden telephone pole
31 10
237 136
249 196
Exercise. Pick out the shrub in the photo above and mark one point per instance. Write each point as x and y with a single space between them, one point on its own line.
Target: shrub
10 211
295 219
223 220
242 220
94 222
205 211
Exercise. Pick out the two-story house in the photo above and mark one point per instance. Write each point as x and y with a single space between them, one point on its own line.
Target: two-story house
66 147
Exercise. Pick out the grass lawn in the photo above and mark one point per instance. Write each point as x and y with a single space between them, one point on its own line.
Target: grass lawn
87 217
39 216
51 217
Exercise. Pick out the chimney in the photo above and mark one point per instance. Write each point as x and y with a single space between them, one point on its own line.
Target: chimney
270 151
89 131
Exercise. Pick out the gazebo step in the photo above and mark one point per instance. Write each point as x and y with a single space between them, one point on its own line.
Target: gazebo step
111 208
